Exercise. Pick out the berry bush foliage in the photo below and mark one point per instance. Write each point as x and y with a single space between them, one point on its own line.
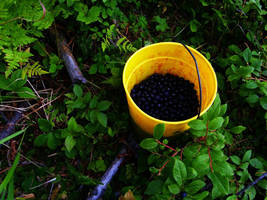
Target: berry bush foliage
67 135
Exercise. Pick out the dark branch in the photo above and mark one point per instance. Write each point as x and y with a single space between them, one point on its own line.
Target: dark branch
10 127
106 178
68 58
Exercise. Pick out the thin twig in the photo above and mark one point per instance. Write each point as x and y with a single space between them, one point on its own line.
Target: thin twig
51 190
32 107
10 20
159 142
164 165
14 101
38 96
39 165
12 108
25 116
50 181
180 31
211 167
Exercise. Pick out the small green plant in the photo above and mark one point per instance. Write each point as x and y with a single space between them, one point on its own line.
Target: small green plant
15 84
190 168
122 43
32 70
82 106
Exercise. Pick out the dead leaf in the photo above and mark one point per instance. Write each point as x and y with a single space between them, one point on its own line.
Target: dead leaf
127 196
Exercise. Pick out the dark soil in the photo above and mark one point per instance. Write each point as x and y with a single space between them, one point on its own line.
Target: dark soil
166 97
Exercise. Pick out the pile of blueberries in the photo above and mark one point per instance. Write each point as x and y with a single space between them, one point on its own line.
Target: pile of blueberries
166 97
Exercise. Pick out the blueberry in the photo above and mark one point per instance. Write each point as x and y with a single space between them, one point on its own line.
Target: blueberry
166 97
184 194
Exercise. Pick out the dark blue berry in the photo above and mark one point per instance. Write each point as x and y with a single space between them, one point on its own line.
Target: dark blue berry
167 97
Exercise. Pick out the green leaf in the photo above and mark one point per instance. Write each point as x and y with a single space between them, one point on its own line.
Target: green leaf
194 25
201 163
236 159
244 165
214 111
251 192
93 14
40 140
103 105
201 195
87 97
4 83
247 55
148 143
69 143
263 102
245 70
247 156
100 166
158 131
78 91
93 69
25 92
204 3
44 125
256 163
51 141
226 121
191 173
251 85
72 124
198 133
220 185
154 187
174 188
252 98
102 118
263 184
197 124
223 168
235 59
233 197
223 109
16 82
93 115
216 123
162 24
238 129
93 102
194 186
179 171
234 48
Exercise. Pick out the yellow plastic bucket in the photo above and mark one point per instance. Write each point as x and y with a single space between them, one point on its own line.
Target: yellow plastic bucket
173 58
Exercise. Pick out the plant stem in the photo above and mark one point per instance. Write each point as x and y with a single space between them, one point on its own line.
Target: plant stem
159 142
210 160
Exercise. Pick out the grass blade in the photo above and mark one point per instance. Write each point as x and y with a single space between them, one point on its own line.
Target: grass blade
12 136
10 195
10 174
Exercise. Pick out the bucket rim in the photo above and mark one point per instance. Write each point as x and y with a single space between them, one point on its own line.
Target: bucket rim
159 120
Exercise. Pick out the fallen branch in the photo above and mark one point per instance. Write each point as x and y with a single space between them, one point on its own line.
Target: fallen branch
65 53
10 127
251 184
106 178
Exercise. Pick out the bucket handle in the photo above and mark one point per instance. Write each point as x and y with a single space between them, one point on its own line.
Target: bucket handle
199 81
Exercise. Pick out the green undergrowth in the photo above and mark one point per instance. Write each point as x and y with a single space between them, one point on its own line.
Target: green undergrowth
70 133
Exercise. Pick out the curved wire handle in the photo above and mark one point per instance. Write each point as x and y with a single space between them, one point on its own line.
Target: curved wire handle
199 81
